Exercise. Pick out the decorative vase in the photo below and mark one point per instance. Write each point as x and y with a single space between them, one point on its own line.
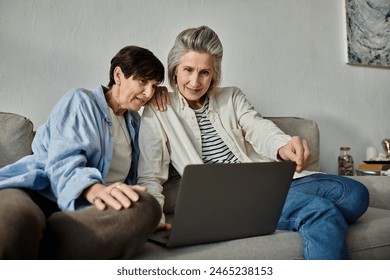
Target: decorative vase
386 146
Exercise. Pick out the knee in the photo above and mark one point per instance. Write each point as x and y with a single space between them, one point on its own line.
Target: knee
17 209
83 234
356 200
350 196
359 192
22 224
150 206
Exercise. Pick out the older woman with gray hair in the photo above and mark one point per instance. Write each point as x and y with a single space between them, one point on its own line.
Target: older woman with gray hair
210 124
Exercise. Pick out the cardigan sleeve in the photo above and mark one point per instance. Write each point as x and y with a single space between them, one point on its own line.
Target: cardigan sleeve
262 134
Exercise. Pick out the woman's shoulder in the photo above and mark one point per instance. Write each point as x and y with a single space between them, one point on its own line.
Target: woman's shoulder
78 94
228 97
228 93
77 102
76 98
230 90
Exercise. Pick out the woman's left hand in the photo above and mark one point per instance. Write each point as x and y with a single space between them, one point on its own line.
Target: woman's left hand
118 195
160 99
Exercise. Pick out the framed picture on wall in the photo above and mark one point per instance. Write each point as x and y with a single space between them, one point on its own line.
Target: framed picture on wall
368 32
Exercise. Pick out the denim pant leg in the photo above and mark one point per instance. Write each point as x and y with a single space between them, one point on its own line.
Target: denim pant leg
320 207
320 223
349 196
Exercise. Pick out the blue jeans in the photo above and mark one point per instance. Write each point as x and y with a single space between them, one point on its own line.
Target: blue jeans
320 207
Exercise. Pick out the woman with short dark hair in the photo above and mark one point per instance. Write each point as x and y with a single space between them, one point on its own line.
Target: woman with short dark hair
84 161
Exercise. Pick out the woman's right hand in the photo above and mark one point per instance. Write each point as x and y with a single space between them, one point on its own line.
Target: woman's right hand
118 195
296 150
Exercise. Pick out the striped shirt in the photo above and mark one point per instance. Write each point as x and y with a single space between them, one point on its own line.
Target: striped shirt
214 150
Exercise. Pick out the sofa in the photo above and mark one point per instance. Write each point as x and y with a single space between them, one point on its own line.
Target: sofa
368 238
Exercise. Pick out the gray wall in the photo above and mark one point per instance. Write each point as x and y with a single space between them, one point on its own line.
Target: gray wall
289 57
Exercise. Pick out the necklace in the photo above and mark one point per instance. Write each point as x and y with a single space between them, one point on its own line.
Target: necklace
123 130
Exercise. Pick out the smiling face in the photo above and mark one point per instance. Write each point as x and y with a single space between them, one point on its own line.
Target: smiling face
194 75
130 93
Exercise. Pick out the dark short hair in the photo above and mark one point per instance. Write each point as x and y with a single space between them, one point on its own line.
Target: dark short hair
137 62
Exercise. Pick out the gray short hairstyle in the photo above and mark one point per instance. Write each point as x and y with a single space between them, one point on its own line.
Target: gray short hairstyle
202 39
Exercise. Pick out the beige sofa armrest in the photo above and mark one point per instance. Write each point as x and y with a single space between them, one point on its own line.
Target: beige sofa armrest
379 189
16 135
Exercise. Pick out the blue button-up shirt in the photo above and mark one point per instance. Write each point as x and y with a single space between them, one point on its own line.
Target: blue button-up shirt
72 150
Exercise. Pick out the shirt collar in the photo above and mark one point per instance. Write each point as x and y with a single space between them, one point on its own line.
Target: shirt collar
99 94
213 105
212 102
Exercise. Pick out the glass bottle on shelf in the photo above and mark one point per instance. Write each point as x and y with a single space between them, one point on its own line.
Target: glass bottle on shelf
346 166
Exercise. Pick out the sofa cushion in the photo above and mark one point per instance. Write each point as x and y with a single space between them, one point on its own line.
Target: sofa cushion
281 245
15 137
379 189
368 238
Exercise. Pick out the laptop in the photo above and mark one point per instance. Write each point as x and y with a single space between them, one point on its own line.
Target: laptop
219 202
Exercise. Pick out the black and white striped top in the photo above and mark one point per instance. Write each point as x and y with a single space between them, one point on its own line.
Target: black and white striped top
214 150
